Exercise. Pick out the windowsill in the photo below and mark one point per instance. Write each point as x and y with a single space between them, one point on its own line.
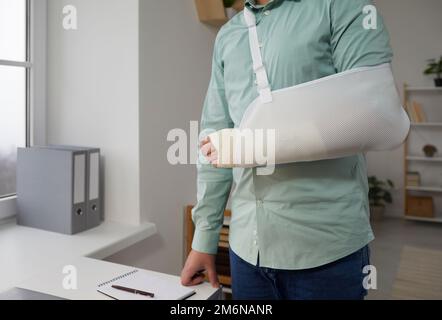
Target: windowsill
7 208
26 252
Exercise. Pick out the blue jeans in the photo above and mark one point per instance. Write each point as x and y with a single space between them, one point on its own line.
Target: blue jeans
339 280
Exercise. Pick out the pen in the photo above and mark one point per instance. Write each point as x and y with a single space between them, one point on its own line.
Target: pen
134 291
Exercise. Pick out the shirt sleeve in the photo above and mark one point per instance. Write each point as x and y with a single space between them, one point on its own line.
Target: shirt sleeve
357 39
213 185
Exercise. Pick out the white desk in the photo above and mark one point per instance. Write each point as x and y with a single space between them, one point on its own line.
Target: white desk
90 273
34 259
26 252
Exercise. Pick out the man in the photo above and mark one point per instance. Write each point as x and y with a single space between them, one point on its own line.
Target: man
302 232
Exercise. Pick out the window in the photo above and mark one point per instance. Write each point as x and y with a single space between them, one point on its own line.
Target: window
15 68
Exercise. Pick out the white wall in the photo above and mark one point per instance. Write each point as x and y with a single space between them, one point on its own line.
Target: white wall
175 64
93 93
415 30
131 72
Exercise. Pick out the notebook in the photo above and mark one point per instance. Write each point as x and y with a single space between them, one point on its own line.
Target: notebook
162 287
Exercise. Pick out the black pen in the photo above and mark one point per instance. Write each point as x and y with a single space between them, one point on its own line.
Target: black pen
134 291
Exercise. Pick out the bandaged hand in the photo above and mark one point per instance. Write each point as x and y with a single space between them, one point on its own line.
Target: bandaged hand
208 151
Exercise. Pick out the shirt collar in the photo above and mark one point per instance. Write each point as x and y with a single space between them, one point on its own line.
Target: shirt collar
254 5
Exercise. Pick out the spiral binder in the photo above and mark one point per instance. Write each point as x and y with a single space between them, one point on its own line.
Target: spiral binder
118 278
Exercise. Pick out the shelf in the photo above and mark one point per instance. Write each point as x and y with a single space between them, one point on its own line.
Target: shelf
424 159
432 125
427 124
424 89
425 189
435 220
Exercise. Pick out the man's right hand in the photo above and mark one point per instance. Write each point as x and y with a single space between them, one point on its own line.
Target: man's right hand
196 264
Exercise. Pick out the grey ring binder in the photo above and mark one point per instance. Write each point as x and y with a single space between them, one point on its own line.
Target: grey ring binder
54 188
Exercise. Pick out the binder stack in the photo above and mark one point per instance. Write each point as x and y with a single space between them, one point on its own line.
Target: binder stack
58 188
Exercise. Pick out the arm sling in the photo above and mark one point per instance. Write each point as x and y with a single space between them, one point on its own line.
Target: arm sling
340 115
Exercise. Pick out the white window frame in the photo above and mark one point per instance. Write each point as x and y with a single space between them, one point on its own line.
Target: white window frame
36 86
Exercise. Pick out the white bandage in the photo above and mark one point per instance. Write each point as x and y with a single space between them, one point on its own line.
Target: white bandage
336 116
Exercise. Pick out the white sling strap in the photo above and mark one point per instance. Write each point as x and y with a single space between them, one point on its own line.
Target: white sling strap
262 81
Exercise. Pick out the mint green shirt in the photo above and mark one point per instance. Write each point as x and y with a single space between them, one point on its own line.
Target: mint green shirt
304 215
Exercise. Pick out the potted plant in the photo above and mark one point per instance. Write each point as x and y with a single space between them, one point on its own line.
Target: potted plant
430 150
435 67
379 195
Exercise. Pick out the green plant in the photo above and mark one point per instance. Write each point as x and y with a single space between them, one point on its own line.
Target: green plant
379 193
434 67
229 3
430 150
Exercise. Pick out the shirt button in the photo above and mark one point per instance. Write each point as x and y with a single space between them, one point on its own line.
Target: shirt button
259 203
267 12
255 233
255 243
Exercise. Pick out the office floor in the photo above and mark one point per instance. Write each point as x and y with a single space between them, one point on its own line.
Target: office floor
408 259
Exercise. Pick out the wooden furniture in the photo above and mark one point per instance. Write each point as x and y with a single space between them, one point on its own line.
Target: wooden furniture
213 12
223 274
430 169
421 207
